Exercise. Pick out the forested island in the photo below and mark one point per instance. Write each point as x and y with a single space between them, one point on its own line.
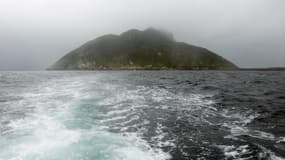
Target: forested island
150 49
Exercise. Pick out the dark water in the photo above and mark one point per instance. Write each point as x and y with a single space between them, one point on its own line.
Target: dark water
142 115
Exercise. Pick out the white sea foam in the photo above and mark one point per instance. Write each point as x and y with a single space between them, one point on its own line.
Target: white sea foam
243 152
139 97
49 133
238 127
272 156
117 112
281 139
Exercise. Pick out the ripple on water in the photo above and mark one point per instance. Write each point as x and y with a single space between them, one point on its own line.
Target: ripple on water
46 133
140 115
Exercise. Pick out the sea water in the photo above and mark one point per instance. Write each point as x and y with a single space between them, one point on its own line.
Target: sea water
142 115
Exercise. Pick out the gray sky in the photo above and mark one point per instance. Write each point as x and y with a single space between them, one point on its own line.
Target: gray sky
35 33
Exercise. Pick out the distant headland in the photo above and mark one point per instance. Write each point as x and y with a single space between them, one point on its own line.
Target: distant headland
150 49
263 69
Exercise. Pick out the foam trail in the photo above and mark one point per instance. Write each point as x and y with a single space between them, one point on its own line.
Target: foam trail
55 130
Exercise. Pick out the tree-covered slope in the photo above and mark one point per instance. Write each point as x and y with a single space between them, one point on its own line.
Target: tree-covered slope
134 49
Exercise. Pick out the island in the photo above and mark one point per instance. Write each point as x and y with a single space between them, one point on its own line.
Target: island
150 49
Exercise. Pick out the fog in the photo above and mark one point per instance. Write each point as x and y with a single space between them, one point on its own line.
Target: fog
35 33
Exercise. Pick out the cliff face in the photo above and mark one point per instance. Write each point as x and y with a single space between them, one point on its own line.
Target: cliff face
134 49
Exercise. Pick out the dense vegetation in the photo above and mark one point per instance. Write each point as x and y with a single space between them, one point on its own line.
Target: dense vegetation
134 49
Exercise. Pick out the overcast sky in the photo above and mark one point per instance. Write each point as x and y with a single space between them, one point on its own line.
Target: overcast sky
35 33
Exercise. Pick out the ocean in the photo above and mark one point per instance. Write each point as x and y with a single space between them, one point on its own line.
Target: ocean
142 115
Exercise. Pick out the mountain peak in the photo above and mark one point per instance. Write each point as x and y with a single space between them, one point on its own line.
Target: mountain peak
149 34
164 33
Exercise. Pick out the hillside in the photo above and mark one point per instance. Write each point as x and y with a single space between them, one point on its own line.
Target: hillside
134 49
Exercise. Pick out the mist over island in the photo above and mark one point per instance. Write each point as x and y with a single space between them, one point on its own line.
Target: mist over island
135 49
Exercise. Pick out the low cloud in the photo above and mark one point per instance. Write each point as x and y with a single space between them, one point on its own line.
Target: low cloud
35 33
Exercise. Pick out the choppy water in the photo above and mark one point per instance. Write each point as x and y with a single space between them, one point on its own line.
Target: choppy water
140 115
